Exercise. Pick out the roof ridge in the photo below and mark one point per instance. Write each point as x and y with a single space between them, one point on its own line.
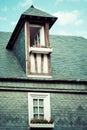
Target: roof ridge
32 11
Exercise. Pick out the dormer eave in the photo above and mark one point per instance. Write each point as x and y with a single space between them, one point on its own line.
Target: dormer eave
38 15
40 20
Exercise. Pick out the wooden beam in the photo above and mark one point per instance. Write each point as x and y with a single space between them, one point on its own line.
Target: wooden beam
27 46
49 64
46 31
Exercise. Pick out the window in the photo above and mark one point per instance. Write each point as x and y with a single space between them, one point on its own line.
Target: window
39 106
37 36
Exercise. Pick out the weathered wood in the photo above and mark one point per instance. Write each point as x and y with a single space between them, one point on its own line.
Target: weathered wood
27 45
49 64
46 30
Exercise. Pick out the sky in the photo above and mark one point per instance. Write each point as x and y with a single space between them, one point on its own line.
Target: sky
72 15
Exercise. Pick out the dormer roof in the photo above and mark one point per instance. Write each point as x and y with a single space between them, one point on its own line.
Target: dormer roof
32 11
34 16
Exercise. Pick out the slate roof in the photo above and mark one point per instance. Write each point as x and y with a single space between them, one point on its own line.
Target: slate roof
32 11
9 66
69 58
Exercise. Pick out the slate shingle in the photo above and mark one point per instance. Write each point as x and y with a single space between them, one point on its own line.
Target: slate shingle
69 58
9 65
32 11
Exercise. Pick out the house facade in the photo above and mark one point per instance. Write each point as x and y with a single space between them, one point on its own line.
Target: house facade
43 78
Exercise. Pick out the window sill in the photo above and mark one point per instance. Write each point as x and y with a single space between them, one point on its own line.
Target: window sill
43 125
40 50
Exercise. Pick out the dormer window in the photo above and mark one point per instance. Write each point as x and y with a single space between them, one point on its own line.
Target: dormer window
39 50
37 36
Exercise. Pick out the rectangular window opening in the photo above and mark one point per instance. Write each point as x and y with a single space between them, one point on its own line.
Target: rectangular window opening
36 35
38 108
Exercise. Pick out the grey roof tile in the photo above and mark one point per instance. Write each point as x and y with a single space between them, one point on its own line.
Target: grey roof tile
9 65
32 11
69 58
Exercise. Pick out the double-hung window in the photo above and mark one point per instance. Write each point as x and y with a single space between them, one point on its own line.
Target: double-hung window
39 106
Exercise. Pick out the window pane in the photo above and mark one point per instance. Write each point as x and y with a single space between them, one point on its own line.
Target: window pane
35 102
38 37
41 110
35 116
41 116
35 109
41 102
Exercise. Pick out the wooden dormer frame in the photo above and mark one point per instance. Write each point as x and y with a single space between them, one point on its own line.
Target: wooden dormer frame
46 31
27 45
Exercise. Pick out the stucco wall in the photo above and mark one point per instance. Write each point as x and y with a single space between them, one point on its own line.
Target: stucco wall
69 111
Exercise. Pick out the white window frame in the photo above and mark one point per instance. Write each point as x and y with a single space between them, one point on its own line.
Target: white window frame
46 97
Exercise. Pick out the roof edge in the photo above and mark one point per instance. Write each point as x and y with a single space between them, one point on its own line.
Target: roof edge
15 33
64 81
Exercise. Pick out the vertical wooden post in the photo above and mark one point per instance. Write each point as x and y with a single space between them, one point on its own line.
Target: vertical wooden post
49 64
47 42
27 46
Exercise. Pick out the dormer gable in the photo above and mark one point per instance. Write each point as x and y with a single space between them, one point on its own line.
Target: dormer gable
30 42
